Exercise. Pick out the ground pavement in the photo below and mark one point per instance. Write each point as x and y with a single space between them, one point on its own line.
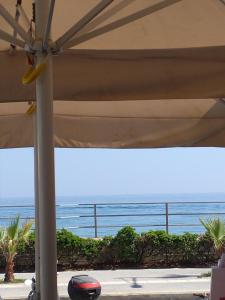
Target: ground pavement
135 283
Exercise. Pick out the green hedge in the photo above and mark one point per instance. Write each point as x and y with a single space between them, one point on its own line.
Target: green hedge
126 249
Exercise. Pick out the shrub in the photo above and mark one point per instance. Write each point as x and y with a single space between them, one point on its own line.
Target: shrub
182 249
123 246
91 249
150 249
206 251
69 248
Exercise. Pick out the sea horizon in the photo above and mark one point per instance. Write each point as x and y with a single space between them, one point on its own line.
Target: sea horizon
153 197
143 212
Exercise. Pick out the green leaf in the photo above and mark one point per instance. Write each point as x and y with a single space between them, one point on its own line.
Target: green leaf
24 233
13 229
216 229
2 235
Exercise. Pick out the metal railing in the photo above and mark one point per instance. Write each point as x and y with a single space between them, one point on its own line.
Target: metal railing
169 214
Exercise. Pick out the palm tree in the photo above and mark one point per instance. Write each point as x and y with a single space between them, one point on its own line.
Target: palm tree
9 240
216 230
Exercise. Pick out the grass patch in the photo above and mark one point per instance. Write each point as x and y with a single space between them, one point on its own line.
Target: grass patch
14 281
203 275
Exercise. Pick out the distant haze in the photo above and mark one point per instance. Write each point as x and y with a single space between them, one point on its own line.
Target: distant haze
90 172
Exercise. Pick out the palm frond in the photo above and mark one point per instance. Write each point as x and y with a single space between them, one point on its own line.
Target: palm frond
10 239
2 237
2 234
24 232
13 229
216 229
205 224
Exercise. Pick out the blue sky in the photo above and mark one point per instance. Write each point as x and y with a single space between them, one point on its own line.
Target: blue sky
116 172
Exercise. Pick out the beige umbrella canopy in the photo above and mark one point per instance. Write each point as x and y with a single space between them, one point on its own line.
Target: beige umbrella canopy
108 84
122 124
126 74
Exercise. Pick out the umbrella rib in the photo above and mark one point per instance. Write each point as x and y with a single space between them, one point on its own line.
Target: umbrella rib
121 22
48 24
221 100
17 16
12 22
105 16
163 118
60 42
222 1
25 19
9 38
203 139
24 15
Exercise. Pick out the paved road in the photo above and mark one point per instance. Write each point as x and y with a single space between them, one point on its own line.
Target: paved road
125 282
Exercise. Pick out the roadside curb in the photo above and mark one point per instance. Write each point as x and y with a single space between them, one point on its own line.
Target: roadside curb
136 297
151 297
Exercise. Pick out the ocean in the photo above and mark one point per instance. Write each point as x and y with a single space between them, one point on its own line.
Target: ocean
143 212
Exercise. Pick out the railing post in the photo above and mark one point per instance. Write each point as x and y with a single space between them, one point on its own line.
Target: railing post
167 217
95 220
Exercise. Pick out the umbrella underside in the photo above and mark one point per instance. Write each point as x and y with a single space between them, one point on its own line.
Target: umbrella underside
155 81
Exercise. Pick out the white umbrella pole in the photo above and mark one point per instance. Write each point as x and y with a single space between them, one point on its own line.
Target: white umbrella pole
46 176
37 243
